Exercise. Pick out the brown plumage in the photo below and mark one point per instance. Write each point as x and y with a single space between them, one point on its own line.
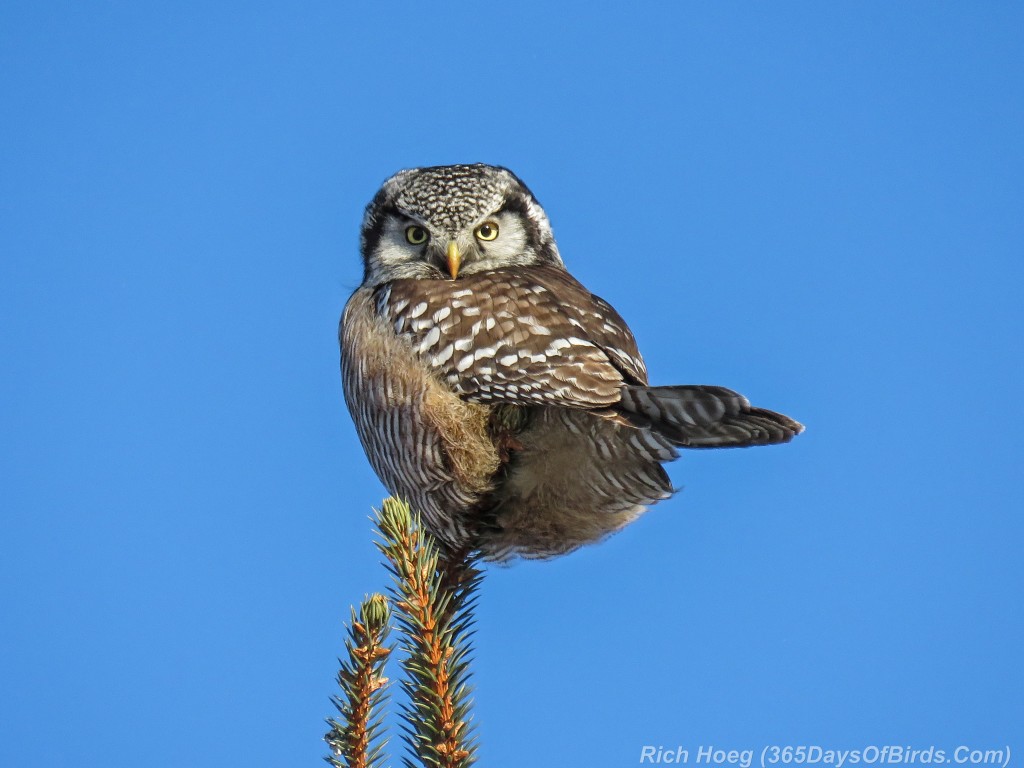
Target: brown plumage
503 400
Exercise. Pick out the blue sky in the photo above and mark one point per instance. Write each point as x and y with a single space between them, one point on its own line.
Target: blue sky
817 204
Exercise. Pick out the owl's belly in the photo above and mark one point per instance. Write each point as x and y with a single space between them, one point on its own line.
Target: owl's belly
575 478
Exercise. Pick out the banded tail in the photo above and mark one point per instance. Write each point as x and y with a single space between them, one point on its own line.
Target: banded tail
698 416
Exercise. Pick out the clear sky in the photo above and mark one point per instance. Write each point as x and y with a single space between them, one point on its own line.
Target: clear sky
817 204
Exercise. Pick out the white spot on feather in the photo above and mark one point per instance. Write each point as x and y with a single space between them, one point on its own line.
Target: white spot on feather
444 355
430 339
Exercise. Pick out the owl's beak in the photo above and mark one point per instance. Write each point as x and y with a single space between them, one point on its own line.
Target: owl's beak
454 259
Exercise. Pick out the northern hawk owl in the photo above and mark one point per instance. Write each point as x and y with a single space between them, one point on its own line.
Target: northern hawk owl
492 391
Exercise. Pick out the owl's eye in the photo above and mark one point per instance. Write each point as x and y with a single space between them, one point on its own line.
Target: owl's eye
487 231
416 235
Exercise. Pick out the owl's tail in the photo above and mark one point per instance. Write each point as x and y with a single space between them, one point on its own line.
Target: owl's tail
696 416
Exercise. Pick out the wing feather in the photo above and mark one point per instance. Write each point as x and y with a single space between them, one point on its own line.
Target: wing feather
528 335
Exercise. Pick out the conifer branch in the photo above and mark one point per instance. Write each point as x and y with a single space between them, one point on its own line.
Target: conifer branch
434 595
355 737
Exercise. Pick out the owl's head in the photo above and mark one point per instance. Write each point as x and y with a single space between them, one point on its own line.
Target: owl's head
453 220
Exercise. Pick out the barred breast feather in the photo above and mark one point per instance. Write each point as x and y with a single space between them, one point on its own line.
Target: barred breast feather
427 445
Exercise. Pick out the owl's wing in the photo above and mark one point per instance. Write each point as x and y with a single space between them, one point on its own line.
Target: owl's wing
528 335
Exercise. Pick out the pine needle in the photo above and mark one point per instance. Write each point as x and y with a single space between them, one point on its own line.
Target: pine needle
433 595
355 737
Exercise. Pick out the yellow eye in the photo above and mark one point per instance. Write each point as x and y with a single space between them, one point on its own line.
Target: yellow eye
416 235
487 231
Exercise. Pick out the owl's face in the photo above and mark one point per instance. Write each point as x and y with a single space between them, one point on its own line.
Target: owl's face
450 221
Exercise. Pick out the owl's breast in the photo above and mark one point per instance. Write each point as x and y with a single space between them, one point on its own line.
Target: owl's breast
426 444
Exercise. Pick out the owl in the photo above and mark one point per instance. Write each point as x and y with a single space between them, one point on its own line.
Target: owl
493 392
